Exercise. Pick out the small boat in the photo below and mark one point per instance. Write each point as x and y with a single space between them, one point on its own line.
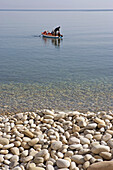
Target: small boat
47 34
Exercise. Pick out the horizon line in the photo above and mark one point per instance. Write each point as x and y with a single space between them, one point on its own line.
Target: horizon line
101 9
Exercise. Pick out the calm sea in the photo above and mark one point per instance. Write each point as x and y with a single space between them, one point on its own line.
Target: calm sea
75 73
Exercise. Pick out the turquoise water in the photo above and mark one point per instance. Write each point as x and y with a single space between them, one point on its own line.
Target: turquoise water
74 73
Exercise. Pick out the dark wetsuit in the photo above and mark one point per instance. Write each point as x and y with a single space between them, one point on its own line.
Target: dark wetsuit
56 29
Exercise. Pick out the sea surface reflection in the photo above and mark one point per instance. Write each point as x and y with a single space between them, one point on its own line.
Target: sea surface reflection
55 42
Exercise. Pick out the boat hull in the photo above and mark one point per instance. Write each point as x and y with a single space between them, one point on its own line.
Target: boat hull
46 34
49 36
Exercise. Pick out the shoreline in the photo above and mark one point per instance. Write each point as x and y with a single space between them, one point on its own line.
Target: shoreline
84 96
50 139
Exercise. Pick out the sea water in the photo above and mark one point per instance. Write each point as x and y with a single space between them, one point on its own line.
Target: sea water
74 73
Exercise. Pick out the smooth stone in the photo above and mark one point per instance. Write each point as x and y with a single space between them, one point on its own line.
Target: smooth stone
100 148
106 137
1 158
60 154
27 159
36 168
8 146
98 120
42 153
4 152
14 158
8 156
13 164
30 165
72 166
75 146
17 143
48 112
1 146
69 154
49 167
73 140
84 140
38 160
87 157
59 116
109 131
97 137
110 143
24 153
4 141
89 136
79 159
26 139
28 133
91 126
56 145
15 151
62 163
106 155
86 165
76 128
19 116
105 165
33 141
32 152
84 151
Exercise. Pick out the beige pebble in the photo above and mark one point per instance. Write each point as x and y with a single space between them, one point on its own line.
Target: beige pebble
4 152
87 157
27 159
8 146
4 141
100 148
24 153
72 166
33 141
1 158
106 155
62 163
49 167
106 137
86 165
79 159
28 133
15 151
101 166
36 168
73 140
38 160
56 145
84 140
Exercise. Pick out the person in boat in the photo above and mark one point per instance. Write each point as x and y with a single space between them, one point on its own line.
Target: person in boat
57 29
59 33
52 32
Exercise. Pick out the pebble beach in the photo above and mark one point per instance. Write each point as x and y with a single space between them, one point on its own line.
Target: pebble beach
56 140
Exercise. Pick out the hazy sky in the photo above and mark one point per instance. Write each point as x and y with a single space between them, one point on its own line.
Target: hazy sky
56 4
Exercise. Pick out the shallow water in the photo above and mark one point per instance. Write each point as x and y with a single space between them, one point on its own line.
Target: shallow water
74 73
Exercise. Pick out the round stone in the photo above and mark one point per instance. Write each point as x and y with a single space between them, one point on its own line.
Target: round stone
4 141
62 163
106 155
79 159
15 151
56 145
73 140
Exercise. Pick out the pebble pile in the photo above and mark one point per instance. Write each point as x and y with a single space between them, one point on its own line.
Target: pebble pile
55 140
